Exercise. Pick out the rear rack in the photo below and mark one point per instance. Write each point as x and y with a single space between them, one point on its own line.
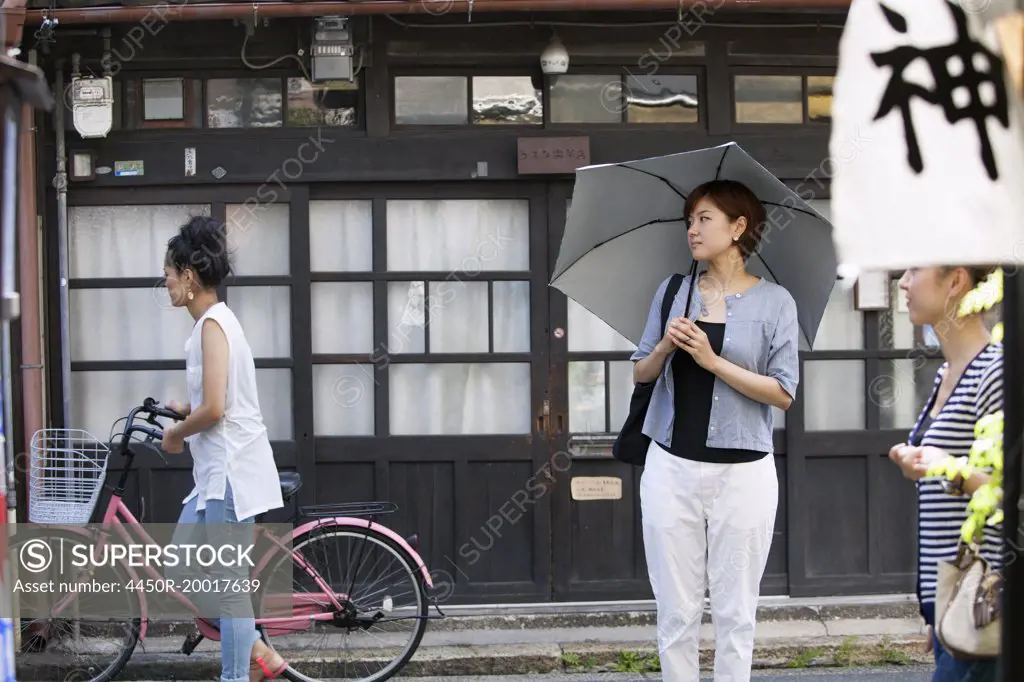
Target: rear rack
348 509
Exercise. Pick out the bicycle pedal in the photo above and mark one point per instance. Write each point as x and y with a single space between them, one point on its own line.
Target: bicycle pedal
191 642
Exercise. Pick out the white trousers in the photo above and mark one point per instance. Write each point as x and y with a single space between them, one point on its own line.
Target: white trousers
706 520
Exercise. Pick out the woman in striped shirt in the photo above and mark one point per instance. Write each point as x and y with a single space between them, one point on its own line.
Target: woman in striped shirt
969 385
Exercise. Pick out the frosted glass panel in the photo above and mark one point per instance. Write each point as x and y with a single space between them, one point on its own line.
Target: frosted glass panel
343 400
457 317
902 390
98 399
154 331
258 237
123 241
834 395
340 236
842 326
459 399
406 318
265 314
458 235
275 395
587 332
511 317
586 397
342 317
620 379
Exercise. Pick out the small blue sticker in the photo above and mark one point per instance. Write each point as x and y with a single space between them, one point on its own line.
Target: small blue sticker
129 168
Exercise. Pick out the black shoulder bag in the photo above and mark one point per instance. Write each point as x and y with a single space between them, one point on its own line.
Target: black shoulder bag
631 445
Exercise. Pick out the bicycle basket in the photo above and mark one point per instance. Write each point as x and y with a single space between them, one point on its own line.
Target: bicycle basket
67 468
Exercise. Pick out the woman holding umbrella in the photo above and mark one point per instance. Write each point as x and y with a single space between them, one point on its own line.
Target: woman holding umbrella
709 491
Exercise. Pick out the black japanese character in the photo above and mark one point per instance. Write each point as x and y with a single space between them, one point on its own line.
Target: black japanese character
969 85
559 154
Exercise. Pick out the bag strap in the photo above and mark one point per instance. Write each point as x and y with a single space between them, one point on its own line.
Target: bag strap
670 295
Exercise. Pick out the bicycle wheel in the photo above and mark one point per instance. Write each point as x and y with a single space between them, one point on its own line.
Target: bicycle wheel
383 605
69 646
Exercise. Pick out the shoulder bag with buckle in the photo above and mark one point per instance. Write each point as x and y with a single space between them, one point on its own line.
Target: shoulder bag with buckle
968 605
631 445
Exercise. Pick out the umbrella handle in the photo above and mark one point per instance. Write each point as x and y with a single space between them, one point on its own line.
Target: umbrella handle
693 282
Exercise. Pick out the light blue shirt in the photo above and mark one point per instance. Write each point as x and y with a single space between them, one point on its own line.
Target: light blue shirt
761 335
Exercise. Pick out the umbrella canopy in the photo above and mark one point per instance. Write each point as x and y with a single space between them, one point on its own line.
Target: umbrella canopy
625 233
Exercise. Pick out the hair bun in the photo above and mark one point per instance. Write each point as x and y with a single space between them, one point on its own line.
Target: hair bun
201 245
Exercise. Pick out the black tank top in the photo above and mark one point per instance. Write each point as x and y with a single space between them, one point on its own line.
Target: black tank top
694 389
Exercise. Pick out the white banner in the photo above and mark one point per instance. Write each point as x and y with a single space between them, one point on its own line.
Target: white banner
939 176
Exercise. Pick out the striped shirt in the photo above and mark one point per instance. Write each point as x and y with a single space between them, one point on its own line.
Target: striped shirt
941 516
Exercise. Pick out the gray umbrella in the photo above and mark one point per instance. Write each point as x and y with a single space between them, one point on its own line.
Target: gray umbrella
625 233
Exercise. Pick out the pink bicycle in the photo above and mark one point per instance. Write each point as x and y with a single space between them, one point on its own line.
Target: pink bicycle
351 576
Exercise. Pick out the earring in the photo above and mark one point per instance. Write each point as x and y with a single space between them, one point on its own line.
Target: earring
190 295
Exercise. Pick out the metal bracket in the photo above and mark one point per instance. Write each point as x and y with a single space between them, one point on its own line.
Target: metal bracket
10 306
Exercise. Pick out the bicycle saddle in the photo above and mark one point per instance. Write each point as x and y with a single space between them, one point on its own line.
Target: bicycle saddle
291 481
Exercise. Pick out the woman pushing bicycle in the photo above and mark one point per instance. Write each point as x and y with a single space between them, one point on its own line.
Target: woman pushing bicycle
235 475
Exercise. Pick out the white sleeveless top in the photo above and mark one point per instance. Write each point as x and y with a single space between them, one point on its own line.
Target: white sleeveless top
236 449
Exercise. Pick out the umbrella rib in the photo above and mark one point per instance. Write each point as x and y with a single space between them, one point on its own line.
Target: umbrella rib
611 239
721 161
772 203
654 175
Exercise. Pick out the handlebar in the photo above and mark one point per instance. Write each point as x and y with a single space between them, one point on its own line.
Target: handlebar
151 408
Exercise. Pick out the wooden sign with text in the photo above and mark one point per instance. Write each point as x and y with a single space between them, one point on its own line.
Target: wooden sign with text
552 155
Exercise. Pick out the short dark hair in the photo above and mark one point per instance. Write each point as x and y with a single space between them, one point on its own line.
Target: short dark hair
201 245
735 200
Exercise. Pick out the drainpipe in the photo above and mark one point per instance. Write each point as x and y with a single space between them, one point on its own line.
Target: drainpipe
178 10
28 268
9 301
61 184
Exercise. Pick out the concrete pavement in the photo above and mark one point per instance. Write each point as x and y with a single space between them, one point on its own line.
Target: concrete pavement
586 640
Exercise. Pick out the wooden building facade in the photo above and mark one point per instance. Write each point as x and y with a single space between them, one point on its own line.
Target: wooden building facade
392 251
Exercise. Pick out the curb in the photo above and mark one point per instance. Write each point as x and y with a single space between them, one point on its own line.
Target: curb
780 612
540 659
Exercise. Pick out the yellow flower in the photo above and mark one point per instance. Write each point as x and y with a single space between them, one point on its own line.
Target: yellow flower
985 507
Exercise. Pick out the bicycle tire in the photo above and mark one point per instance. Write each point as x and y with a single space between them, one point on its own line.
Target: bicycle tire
406 558
111 671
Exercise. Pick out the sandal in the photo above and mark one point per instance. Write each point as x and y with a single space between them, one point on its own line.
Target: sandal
260 670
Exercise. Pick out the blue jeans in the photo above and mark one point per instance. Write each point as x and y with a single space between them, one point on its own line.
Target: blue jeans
949 669
237 635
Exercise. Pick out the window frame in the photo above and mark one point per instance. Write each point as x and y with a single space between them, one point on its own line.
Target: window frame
196 115
623 71
469 74
804 72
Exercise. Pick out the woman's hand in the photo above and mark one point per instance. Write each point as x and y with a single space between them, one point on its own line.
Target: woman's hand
181 408
673 338
896 455
915 461
173 443
924 458
694 341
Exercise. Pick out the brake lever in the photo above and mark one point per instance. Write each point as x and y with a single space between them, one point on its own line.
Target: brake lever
159 453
